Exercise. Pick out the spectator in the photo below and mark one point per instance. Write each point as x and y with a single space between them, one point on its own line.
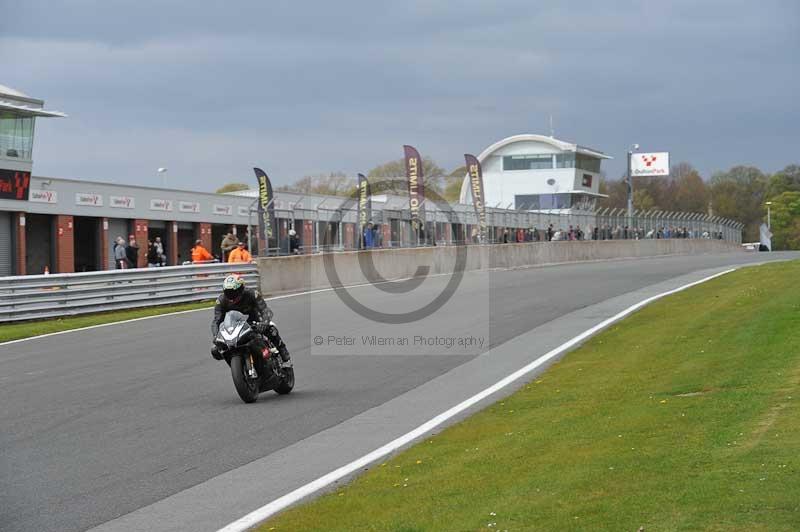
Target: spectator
120 258
475 236
505 236
229 243
162 258
549 233
578 233
294 242
535 234
377 236
199 253
132 253
240 254
369 236
153 258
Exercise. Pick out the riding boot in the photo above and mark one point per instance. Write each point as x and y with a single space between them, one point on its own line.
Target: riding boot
277 341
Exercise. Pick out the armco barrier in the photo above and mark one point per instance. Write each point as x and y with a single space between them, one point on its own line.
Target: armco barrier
308 272
48 296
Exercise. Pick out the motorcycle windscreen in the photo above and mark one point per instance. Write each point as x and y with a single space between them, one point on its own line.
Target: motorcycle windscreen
232 319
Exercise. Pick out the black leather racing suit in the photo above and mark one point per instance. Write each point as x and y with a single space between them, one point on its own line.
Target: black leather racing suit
252 305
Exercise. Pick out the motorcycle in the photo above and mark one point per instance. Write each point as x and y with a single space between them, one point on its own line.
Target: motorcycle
232 342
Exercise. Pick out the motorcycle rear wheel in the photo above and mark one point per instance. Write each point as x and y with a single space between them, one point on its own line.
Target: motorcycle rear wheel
245 387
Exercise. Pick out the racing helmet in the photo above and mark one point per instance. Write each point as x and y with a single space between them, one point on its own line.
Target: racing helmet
233 288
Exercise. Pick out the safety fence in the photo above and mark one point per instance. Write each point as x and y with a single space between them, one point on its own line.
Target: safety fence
48 296
392 229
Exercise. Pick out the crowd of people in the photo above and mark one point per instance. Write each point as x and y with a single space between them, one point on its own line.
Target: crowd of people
126 253
372 236
232 250
604 232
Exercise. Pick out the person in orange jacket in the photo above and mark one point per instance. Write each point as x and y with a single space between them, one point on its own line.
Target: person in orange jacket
199 253
240 254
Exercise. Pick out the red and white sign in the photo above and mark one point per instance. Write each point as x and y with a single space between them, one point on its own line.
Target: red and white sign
91 200
43 196
160 205
121 202
188 206
650 164
223 210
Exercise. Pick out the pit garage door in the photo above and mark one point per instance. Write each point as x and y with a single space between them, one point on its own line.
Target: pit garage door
38 243
116 227
6 264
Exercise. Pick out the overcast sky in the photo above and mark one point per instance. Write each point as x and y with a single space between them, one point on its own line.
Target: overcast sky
211 89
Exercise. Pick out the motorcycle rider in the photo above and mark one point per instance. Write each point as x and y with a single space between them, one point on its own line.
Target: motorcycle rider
250 303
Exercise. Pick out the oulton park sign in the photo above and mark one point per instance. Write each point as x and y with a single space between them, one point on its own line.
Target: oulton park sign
650 164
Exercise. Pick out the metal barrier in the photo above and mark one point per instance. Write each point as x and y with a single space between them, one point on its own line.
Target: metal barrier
49 296
600 224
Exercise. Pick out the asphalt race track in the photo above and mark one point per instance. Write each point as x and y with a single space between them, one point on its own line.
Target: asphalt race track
100 423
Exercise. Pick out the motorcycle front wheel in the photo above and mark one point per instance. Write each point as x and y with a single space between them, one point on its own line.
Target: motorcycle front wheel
287 383
246 388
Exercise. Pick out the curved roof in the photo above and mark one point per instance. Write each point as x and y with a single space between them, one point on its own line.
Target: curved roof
12 92
528 137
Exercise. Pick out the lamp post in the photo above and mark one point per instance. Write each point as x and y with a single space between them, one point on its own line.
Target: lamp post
161 172
768 204
633 149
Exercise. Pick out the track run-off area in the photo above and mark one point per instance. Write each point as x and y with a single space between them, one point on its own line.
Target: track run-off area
134 426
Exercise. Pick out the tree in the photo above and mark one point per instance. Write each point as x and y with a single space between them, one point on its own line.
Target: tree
690 191
739 194
617 192
682 191
432 173
232 187
787 179
642 200
331 184
785 215
452 184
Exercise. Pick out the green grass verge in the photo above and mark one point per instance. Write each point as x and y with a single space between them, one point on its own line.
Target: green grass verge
16 331
683 416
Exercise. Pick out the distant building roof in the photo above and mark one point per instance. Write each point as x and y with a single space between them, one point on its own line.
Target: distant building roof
12 92
559 144
14 100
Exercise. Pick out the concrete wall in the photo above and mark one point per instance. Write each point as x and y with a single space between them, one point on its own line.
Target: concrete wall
308 272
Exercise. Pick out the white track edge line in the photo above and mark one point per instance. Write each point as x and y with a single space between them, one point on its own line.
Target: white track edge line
257 516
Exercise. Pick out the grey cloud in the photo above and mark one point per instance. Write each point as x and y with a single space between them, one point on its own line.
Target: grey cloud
209 89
